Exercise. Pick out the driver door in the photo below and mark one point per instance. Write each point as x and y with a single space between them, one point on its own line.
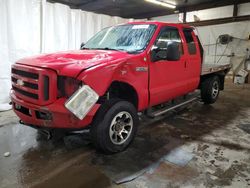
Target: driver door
167 77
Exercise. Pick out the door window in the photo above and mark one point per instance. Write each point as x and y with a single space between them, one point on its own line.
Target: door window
190 41
169 35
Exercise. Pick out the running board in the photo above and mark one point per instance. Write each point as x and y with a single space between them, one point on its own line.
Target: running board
168 109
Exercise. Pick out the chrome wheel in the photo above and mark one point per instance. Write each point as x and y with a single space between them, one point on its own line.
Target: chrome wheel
121 128
215 89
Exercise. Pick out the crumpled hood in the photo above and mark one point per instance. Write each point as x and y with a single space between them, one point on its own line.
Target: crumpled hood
71 63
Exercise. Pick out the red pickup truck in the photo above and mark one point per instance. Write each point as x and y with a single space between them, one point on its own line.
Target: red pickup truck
125 69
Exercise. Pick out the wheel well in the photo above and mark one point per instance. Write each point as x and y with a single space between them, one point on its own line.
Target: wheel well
220 75
121 90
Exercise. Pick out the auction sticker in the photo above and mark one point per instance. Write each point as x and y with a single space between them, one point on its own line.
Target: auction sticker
140 27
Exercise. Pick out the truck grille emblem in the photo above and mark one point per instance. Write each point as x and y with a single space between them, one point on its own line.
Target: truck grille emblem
20 82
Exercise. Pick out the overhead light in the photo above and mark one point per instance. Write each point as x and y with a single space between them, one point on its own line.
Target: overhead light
163 3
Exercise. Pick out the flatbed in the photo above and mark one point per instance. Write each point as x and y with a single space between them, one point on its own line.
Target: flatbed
212 68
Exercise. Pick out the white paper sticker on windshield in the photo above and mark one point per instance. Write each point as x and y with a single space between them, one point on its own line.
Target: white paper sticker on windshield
140 26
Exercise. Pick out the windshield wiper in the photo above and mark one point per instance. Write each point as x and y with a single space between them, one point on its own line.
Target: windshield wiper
107 48
84 48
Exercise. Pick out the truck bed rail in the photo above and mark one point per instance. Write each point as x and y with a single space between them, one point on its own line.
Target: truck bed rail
211 68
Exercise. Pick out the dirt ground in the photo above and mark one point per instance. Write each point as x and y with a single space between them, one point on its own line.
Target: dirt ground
217 136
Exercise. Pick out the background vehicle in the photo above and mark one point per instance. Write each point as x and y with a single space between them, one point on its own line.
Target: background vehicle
121 71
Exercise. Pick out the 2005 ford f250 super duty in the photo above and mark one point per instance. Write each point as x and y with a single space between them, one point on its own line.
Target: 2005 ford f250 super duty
122 70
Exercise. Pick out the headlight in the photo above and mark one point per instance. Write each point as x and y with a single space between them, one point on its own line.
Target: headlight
67 86
81 102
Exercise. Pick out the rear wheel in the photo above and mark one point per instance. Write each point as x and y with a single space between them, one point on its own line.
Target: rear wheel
114 126
210 90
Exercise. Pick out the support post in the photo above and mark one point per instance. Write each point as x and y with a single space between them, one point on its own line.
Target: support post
185 16
235 12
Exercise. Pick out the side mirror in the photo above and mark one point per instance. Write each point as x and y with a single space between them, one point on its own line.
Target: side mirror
82 46
171 52
158 54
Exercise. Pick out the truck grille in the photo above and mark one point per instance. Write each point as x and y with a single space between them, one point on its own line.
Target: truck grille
34 84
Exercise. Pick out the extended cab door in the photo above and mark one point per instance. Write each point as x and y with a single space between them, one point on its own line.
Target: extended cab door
192 58
167 77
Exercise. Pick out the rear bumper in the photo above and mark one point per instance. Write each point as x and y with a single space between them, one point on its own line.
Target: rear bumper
54 115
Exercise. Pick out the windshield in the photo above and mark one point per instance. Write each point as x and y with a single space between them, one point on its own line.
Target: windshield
130 38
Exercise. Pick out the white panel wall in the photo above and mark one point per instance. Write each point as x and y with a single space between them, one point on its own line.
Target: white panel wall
174 18
213 13
244 9
29 27
209 34
19 37
57 25
65 28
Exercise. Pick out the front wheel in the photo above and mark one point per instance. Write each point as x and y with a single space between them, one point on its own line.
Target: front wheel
114 126
210 89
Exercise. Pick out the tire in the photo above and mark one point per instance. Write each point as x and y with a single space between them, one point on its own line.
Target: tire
116 119
210 90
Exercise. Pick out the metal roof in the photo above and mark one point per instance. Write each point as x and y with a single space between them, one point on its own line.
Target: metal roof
141 8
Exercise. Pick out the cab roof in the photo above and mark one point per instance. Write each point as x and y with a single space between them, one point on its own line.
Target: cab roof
178 25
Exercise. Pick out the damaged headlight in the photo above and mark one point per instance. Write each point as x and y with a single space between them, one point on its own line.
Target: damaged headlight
81 102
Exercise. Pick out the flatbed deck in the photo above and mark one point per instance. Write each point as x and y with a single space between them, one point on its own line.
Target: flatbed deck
212 68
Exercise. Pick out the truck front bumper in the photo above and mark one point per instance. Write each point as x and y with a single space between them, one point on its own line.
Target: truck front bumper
54 115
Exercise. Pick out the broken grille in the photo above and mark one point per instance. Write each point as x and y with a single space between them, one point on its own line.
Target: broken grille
33 84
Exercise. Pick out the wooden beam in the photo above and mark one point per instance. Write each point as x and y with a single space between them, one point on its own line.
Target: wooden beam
182 9
148 15
235 12
220 21
72 5
208 5
184 17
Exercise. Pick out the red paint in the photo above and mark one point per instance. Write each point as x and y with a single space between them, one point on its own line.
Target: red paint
99 68
61 116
